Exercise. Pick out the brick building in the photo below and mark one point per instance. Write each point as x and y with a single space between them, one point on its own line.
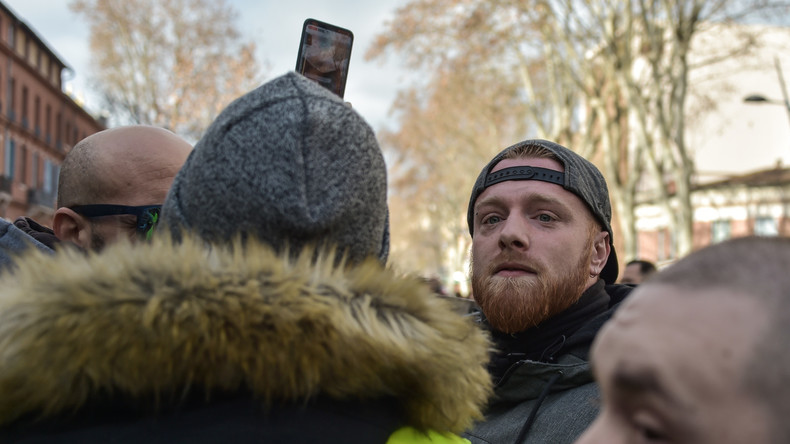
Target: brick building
39 123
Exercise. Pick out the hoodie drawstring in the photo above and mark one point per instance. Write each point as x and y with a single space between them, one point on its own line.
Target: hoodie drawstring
531 419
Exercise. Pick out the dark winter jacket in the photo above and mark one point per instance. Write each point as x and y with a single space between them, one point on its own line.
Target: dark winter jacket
18 237
550 396
162 343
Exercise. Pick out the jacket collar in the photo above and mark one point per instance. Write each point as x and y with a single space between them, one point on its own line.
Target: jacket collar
159 319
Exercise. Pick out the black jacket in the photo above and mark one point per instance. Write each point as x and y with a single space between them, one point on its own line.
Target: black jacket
545 391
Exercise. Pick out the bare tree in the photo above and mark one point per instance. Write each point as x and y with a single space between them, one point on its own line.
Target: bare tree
609 78
443 136
170 63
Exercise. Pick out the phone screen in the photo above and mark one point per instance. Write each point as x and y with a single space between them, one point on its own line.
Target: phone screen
324 54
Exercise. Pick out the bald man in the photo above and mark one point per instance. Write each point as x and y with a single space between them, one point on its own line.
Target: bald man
113 183
111 186
698 353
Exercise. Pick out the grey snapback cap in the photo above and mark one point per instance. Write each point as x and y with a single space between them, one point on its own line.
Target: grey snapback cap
580 177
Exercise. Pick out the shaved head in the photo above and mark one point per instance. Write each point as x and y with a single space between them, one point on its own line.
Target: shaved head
698 353
132 165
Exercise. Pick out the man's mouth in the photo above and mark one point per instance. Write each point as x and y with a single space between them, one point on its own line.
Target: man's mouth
513 269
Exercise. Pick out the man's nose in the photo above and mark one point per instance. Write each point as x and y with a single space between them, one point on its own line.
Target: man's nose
514 233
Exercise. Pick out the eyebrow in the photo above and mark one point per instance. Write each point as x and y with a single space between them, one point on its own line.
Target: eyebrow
534 198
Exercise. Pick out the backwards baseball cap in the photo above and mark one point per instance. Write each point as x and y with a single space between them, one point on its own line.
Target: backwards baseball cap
580 177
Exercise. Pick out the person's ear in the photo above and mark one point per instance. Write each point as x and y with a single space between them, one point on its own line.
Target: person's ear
600 252
71 227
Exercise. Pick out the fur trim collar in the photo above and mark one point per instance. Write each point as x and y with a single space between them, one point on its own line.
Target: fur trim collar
156 319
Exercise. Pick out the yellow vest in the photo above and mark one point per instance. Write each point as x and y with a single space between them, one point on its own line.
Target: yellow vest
408 435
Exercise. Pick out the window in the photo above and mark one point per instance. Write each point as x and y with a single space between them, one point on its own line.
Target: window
766 226
48 123
10 149
24 107
45 61
50 176
23 164
19 42
661 242
34 172
54 75
721 230
57 131
37 115
11 97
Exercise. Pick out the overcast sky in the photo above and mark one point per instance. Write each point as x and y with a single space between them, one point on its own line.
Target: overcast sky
274 25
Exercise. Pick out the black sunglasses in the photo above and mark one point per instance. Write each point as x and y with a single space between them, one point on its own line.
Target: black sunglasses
147 216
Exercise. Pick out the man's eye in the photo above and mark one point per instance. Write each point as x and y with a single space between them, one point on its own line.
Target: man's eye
652 435
491 220
545 217
649 430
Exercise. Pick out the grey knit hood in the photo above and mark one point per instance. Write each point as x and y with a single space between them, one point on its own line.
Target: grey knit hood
291 164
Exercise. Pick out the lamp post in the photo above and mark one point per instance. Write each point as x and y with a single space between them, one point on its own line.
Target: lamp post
756 98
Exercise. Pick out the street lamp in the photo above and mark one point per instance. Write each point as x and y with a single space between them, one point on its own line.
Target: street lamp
757 98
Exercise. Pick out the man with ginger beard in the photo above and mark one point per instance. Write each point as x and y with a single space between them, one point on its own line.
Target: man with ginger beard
543 269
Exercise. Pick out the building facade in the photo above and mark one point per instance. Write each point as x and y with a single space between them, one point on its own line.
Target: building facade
740 186
756 203
39 123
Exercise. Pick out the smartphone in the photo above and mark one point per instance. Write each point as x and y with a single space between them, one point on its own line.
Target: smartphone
324 54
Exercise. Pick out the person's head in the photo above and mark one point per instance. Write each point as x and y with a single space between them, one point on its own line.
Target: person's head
697 354
130 166
637 271
540 221
288 163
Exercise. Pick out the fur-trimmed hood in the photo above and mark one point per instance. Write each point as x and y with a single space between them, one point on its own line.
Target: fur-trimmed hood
154 320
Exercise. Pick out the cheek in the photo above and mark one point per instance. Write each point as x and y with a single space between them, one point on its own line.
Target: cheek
737 422
476 261
132 235
480 250
561 256
111 232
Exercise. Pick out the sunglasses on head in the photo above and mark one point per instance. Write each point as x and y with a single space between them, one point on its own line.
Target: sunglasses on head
147 215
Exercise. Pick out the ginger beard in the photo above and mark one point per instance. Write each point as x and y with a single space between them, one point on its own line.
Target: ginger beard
514 304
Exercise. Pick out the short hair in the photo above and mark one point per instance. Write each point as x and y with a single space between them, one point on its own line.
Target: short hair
645 267
534 151
79 176
755 268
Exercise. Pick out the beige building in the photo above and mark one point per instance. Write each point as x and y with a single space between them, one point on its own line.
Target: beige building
739 148
756 203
